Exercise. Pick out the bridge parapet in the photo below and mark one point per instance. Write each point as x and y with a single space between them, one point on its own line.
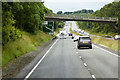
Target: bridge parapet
84 18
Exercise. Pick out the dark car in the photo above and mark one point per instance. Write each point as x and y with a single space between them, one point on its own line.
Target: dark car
84 41
70 34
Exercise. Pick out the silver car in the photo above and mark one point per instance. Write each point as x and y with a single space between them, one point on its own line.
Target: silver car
84 41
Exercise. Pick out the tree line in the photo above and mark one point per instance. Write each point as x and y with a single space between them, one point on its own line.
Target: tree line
21 16
79 11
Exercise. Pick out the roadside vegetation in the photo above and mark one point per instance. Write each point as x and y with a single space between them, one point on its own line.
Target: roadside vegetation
22 28
109 10
58 27
111 44
21 16
28 42
83 11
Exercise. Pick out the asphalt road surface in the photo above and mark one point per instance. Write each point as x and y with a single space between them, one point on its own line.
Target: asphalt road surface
64 60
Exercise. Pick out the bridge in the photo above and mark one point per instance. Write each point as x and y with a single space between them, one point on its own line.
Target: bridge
81 18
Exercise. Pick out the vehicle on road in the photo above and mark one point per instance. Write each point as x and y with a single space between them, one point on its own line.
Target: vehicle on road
76 37
79 30
61 35
84 41
117 37
82 31
70 34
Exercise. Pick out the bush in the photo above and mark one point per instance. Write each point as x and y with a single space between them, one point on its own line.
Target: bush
10 33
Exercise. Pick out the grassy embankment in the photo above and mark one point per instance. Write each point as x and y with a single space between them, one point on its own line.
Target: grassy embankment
27 43
111 44
99 34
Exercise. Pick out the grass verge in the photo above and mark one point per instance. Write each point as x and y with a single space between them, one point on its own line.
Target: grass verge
27 43
99 34
111 44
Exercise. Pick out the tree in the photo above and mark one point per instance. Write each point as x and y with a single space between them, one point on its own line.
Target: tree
84 11
59 12
109 10
21 16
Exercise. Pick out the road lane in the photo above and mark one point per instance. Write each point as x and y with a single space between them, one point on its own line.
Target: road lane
61 62
101 63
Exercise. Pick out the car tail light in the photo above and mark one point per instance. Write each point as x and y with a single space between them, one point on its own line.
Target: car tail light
79 42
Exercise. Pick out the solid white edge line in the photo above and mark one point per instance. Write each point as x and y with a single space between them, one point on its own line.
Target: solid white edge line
29 74
93 76
107 51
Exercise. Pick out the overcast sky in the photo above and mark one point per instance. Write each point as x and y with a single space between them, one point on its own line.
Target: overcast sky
73 5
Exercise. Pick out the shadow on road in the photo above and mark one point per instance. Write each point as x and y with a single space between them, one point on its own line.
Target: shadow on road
84 48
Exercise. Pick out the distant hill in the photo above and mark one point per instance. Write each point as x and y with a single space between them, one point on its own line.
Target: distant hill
80 11
76 12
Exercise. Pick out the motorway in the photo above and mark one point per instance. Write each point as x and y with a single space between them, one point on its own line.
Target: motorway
64 60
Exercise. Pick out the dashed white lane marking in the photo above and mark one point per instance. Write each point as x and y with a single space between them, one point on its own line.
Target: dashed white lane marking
76 52
93 76
29 74
107 51
85 64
